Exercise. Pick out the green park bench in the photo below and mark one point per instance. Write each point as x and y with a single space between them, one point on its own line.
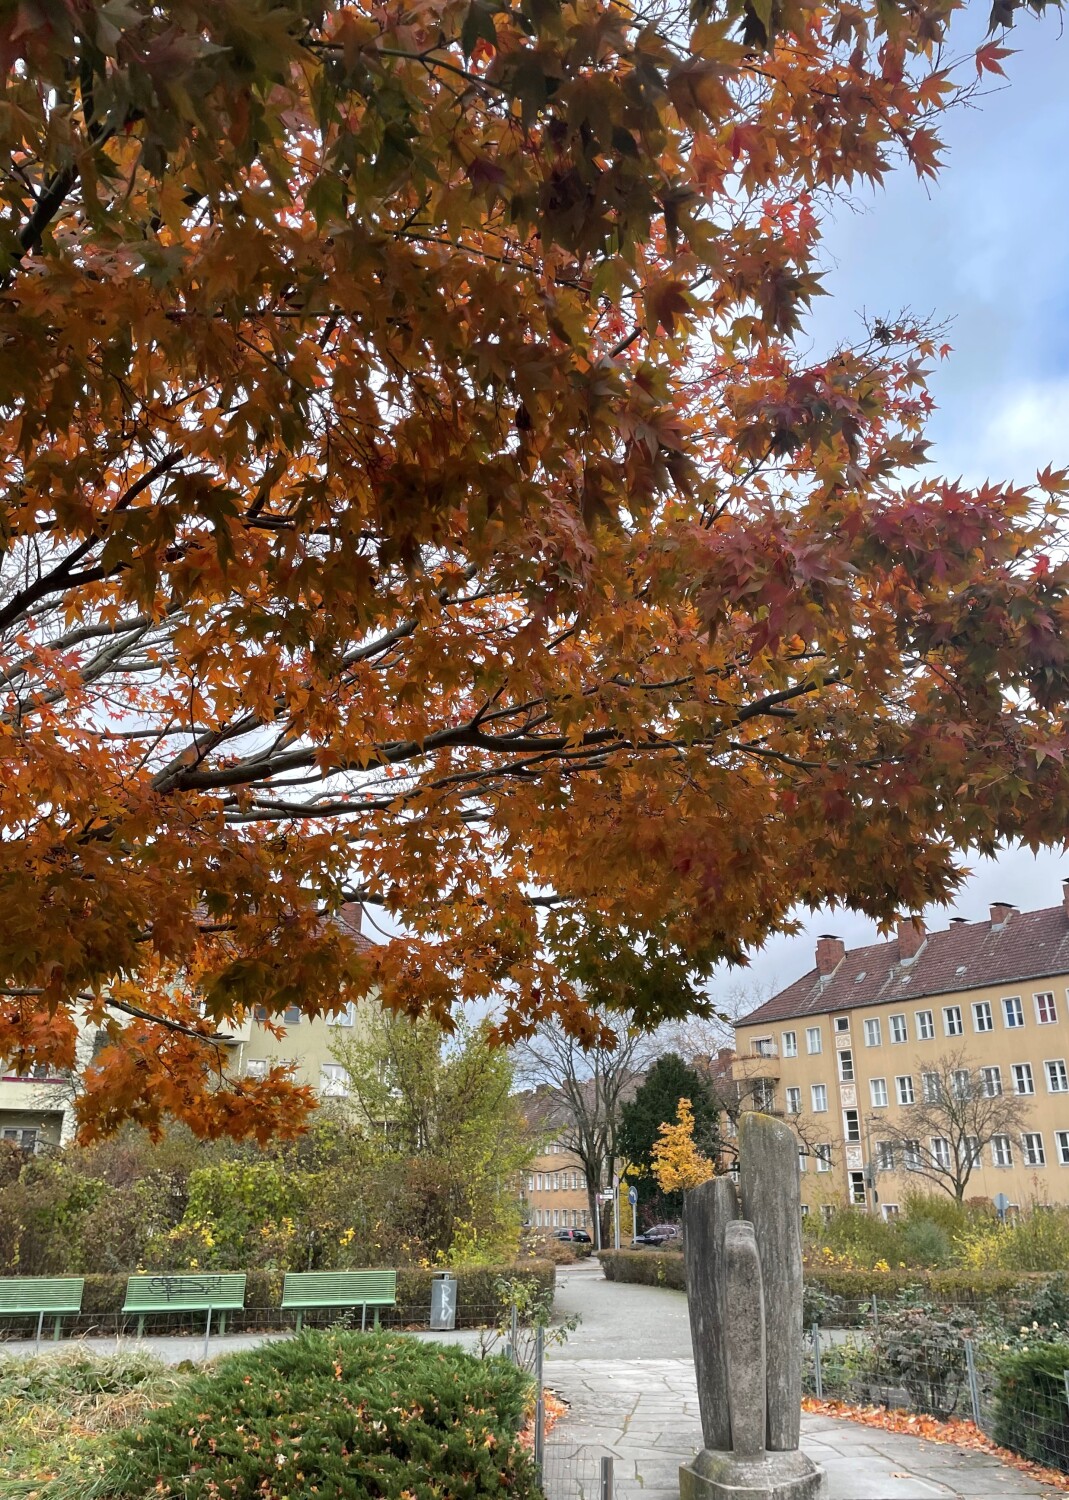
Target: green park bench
191 1291
305 1290
23 1296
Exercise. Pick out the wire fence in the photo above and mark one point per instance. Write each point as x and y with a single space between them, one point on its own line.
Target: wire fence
1020 1403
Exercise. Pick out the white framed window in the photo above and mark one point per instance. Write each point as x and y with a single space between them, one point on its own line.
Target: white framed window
1032 1146
842 1023
346 1016
961 1083
911 1155
857 1187
1046 1009
931 1088
904 1088
972 1150
556 1218
823 1156
794 1101
826 1211
790 1044
941 1152
805 1210
539 1181
256 1067
1023 1082
1001 1151
952 1020
991 1080
852 1126
538 1218
802 1159
872 1032
530 1182
878 1092
890 1211
764 1046
981 1016
885 1156
925 1025
1057 1078
820 1098
1061 1143
334 1080
899 1033
846 1065
1013 1012
812 1039
291 1016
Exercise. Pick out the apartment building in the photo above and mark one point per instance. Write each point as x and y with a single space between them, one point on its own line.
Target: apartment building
859 1042
556 1195
36 1109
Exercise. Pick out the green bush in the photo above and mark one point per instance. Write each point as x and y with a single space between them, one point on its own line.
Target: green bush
1030 1410
647 1267
922 1349
924 1242
346 1415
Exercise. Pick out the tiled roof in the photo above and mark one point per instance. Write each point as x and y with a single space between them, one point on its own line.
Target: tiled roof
349 918
964 956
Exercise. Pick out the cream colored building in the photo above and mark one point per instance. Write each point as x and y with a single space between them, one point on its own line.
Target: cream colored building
37 1110
857 1042
556 1191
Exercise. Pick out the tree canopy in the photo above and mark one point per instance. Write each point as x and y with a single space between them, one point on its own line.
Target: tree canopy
412 490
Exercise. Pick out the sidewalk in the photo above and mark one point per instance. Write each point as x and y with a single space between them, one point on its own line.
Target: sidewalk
628 1376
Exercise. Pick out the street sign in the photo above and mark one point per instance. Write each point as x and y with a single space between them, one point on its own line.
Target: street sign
1001 1203
632 1196
604 1197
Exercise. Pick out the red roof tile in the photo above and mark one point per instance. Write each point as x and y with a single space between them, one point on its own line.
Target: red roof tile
965 956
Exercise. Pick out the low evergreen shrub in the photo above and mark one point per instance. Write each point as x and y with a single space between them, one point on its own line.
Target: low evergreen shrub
1030 1410
345 1415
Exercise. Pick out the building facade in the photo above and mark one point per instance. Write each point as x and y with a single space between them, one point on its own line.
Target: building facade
876 1037
556 1190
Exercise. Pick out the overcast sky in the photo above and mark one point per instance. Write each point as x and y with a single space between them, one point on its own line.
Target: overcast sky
986 247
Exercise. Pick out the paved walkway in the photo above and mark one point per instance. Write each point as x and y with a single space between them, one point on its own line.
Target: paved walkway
628 1376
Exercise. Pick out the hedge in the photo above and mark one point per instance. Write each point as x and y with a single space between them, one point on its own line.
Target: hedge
665 1268
478 1302
647 1267
1030 1410
335 1413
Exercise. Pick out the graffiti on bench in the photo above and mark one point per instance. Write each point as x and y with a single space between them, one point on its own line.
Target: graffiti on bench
172 1288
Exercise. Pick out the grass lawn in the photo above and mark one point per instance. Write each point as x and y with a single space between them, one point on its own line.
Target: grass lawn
57 1410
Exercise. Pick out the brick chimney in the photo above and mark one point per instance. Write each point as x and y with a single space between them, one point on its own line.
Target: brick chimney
1065 896
1001 912
830 953
911 936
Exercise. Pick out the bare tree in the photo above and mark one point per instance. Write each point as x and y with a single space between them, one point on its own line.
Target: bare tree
586 1090
960 1109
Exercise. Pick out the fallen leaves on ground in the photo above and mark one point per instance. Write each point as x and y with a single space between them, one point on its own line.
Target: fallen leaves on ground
555 1409
960 1433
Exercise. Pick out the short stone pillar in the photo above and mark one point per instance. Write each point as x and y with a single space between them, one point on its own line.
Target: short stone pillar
744 1285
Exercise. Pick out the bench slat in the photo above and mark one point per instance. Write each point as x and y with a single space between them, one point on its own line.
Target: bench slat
339 1289
189 1292
36 1294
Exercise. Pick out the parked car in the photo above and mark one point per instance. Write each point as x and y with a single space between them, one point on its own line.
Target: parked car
661 1234
574 1236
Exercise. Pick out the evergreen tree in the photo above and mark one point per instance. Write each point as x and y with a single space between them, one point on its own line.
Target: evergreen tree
657 1101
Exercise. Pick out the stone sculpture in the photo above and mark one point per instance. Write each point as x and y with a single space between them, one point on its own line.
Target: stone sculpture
744 1282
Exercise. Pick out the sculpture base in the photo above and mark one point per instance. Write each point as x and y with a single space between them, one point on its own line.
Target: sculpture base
770 1476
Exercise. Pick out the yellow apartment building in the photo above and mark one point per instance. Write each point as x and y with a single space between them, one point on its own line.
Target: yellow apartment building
850 1049
556 1195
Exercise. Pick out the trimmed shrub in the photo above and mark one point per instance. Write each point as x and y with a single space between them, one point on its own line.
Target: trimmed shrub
1030 1410
330 1413
646 1267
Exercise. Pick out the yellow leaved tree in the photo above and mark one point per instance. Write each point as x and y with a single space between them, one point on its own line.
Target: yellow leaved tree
677 1162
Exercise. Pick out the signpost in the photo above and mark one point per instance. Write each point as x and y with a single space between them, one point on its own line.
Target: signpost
1001 1203
616 1210
632 1198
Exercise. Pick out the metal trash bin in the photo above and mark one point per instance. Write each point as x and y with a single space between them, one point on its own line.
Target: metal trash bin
444 1300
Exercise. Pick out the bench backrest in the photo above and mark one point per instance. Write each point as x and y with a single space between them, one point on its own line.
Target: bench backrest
189 1292
35 1294
339 1289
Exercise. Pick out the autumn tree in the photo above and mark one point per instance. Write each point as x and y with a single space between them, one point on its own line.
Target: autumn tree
449 1136
657 1099
943 1135
412 491
678 1161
